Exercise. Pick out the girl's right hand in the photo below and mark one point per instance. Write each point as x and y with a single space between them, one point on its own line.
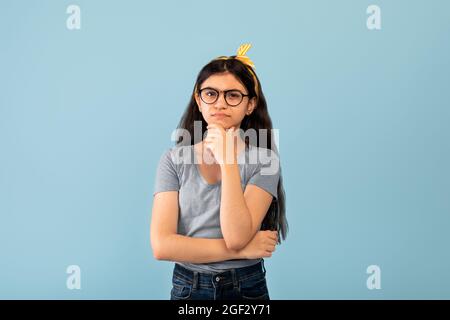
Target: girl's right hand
261 246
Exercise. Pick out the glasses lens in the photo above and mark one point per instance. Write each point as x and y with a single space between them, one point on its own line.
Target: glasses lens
233 98
209 95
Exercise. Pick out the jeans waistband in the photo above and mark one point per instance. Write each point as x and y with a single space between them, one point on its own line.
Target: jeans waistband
231 275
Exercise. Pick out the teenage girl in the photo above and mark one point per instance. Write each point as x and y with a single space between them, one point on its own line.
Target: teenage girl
219 202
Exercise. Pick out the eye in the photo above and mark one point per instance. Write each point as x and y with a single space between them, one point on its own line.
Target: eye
210 93
234 94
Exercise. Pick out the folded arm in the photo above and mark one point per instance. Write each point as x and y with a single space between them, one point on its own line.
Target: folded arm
241 212
168 245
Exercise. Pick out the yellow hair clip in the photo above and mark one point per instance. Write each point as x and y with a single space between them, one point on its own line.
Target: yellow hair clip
242 57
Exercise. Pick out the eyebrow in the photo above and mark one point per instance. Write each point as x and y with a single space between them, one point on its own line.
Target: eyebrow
208 87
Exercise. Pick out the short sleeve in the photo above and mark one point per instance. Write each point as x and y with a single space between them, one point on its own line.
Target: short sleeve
166 175
267 174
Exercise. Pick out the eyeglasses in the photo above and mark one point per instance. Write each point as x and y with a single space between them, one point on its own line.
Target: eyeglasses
232 97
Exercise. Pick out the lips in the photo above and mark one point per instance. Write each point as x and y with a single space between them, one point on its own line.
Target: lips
219 115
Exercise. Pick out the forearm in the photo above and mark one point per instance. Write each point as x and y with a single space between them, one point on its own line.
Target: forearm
235 218
194 250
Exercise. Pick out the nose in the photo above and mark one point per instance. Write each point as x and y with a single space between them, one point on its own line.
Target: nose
221 103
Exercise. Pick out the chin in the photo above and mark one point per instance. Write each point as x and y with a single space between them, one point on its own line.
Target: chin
222 122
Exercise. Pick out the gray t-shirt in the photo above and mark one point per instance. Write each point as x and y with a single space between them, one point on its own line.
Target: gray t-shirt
199 202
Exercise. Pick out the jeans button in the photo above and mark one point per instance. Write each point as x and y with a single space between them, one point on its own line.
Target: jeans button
217 279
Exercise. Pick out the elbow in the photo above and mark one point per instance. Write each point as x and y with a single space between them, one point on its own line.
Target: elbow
235 244
157 254
158 250
237 240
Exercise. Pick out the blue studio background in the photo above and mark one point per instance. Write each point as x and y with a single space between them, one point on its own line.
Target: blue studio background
364 140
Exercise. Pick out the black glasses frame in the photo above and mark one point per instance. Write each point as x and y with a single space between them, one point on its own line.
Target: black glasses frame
224 94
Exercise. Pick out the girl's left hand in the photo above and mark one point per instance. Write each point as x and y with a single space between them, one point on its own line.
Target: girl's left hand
222 143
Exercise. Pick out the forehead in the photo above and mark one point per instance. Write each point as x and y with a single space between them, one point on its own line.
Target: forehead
223 81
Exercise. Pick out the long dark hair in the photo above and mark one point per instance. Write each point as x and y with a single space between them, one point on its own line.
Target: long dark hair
275 218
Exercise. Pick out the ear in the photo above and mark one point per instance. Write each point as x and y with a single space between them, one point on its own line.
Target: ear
251 106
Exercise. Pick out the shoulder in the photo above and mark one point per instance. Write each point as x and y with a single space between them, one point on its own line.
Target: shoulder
263 156
178 155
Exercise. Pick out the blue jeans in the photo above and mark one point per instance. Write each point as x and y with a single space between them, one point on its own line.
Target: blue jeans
247 283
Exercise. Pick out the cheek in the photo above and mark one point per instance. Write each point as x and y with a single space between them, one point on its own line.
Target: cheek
239 115
205 111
